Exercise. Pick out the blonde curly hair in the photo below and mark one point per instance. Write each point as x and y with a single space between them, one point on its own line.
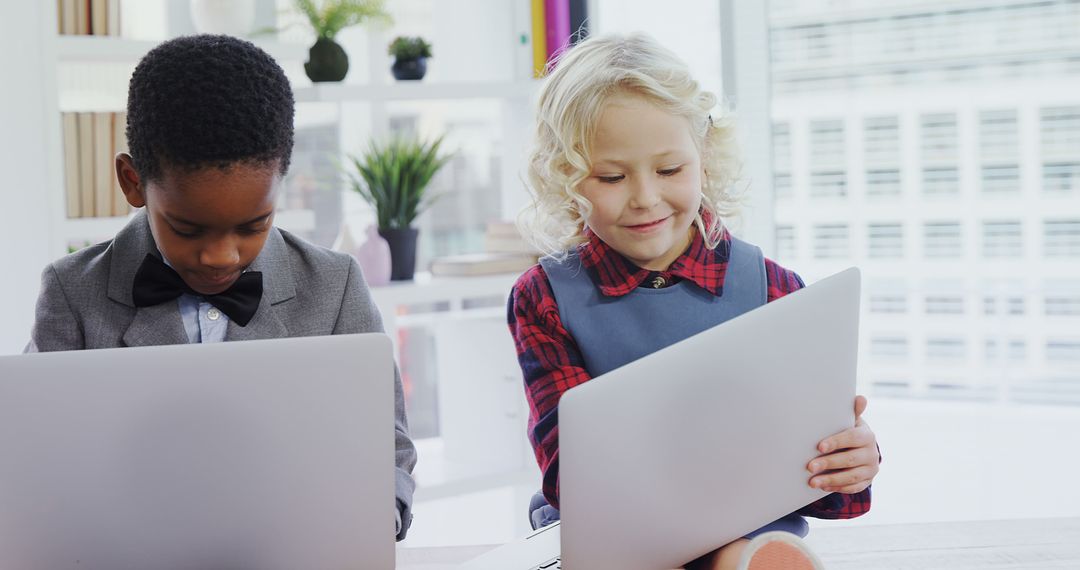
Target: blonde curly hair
578 86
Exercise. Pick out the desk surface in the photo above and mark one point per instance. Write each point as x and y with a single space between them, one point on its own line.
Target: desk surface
984 545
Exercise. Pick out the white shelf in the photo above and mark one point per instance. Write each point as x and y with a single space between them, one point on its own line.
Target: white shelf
97 49
425 288
95 230
295 221
416 90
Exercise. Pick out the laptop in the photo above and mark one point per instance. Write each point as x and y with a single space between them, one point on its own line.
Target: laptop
684 450
268 454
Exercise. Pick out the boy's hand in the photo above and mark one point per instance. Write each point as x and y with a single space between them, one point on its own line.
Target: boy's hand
849 459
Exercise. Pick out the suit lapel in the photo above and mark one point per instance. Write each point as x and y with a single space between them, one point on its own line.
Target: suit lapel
151 326
157 325
278 287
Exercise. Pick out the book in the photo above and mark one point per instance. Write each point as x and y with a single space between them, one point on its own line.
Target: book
539 39
82 17
481 264
120 205
557 18
112 27
579 20
99 17
66 10
503 237
86 164
103 159
70 124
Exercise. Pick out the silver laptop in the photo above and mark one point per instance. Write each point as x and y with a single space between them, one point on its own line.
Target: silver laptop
270 454
697 444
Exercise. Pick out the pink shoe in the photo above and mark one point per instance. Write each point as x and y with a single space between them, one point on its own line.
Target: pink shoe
778 550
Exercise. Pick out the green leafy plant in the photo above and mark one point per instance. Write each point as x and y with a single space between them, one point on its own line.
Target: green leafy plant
409 47
328 17
393 177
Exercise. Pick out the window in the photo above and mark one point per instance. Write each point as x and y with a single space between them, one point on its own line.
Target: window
1002 239
945 348
827 142
886 240
942 304
1061 176
1062 305
1060 131
998 134
1061 350
941 181
1015 304
883 182
882 140
1061 238
1000 179
889 347
942 239
828 185
939 137
782 185
781 140
819 41
1015 350
888 303
831 241
785 242
1062 298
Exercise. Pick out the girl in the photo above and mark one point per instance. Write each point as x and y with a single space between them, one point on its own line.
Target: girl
631 180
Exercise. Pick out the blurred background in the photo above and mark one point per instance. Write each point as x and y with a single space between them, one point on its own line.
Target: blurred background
936 145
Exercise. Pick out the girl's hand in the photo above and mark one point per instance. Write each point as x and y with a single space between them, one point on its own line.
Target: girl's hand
849 459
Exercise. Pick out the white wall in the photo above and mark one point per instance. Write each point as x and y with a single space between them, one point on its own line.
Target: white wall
29 137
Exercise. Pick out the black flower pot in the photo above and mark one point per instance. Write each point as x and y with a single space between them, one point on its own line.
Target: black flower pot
327 61
409 69
402 243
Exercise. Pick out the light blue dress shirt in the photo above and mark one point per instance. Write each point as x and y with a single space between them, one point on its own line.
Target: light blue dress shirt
203 322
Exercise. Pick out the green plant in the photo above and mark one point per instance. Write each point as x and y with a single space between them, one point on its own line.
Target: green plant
393 177
406 47
328 17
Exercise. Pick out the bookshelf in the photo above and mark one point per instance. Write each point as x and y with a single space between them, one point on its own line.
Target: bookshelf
90 74
91 77
417 91
96 49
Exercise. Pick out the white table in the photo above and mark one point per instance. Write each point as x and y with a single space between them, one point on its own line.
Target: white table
1028 544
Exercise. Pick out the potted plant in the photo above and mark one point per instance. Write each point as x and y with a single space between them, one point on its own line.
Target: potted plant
410 57
327 60
393 178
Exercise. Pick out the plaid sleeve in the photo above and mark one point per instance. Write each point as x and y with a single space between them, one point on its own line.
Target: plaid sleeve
836 505
551 364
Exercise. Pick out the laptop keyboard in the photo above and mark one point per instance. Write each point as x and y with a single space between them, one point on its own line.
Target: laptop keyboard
553 564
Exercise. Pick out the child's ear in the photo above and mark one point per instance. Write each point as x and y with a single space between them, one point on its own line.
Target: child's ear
130 183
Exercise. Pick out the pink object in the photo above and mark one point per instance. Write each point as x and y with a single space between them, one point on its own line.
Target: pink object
374 258
557 26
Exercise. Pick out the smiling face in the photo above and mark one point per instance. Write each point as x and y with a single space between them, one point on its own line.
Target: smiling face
645 184
209 224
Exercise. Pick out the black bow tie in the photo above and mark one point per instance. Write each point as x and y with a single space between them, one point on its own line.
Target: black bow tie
156 283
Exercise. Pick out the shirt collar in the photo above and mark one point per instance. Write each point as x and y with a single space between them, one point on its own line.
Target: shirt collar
617 276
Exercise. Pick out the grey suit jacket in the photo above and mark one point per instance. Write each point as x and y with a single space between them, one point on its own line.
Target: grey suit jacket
86 303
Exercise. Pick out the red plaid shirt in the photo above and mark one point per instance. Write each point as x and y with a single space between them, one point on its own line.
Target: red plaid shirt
552 363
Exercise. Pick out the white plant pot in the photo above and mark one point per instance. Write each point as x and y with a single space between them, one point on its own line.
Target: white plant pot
230 17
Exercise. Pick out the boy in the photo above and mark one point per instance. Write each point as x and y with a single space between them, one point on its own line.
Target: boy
210 128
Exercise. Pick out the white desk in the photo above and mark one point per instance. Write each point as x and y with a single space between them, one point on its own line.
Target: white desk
1028 544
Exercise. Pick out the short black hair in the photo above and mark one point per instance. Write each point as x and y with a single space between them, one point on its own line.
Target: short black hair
208 100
